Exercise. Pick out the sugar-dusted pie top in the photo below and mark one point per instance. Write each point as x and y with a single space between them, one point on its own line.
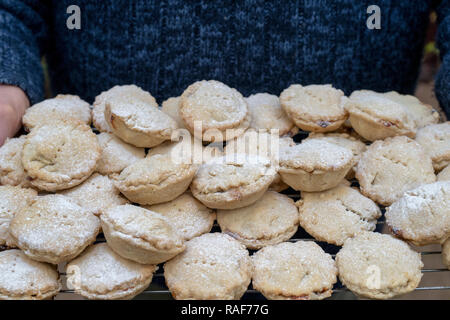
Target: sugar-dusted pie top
273 214
140 116
422 114
392 166
62 107
116 154
98 111
343 140
266 113
23 278
11 168
99 271
435 139
221 174
300 270
96 194
12 200
215 104
59 153
313 102
55 225
213 266
337 214
380 107
315 154
422 215
142 224
189 217
171 107
259 143
378 266
157 170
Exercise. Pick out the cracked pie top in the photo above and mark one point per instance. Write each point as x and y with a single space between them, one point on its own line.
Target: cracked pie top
316 108
62 107
315 165
378 266
214 266
389 168
155 179
217 107
421 215
376 116
270 220
138 122
349 211
98 110
294 271
60 155
233 183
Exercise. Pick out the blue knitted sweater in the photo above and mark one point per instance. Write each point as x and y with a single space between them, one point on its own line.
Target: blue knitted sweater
252 45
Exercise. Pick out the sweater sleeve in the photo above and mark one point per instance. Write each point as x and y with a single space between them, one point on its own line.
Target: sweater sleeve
443 77
23 33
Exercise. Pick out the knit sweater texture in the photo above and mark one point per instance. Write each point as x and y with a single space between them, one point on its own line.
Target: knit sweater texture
251 45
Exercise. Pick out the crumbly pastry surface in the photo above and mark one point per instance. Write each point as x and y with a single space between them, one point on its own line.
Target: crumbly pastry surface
99 273
140 235
312 155
446 253
315 165
270 220
11 168
218 107
155 179
12 200
378 266
421 113
213 266
138 122
337 214
60 155
171 107
375 116
266 114
435 139
263 144
389 168
189 217
294 271
62 107
116 154
224 183
98 110
54 229
422 215
24 279
96 194
444 175
316 108
344 140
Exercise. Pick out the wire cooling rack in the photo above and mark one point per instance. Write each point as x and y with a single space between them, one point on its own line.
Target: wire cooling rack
435 283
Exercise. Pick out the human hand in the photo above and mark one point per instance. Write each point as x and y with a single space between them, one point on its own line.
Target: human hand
13 103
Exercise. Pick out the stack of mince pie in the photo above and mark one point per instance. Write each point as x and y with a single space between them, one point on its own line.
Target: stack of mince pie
154 180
